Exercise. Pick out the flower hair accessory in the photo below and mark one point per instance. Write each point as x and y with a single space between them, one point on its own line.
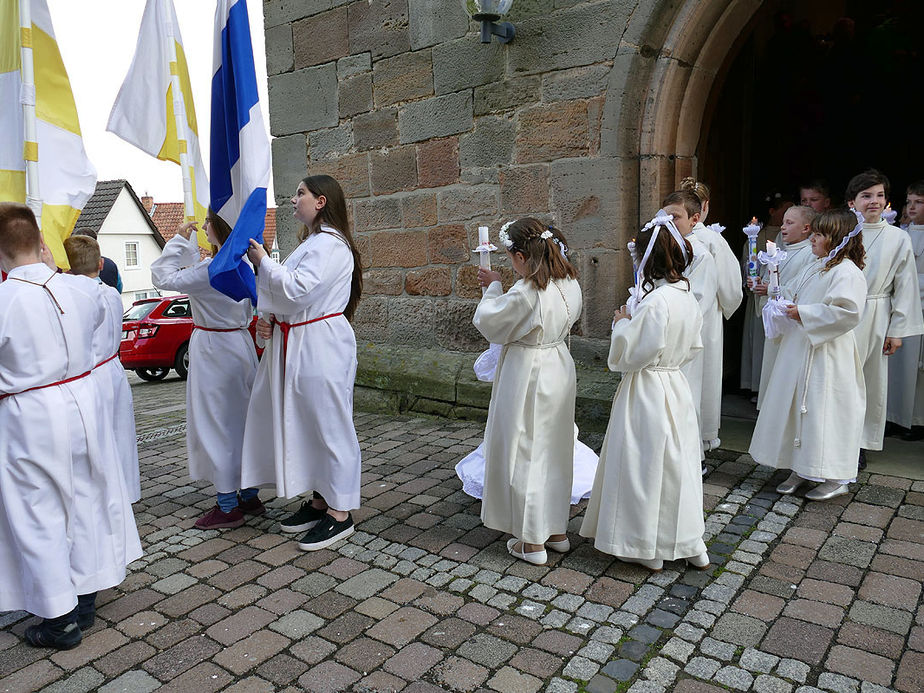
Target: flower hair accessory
545 235
563 248
504 237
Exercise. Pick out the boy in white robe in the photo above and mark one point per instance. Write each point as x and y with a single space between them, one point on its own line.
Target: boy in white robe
646 505
893 301
906 368
66 526
728 297
813 407
83 256
794 234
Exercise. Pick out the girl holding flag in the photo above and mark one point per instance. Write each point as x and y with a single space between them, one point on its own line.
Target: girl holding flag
222 365
299 435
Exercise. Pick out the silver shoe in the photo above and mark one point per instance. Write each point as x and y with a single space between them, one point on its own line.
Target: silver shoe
790 485
827 490
534 557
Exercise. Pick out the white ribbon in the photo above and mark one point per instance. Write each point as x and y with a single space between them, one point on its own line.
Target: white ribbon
661 219
844 241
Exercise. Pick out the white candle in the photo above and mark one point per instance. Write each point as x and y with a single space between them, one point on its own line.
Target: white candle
482 235
771 248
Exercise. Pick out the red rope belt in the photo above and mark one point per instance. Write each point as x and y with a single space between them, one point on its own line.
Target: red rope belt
61 382
284 327
218 329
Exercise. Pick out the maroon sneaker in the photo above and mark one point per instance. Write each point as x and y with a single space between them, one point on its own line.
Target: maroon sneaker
252 507
216 519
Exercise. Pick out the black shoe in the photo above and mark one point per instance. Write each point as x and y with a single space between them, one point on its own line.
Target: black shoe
306 518
861 462
61 633
914 433
86 610
328 531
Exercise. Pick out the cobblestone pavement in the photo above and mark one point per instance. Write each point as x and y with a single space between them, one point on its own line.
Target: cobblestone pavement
802 596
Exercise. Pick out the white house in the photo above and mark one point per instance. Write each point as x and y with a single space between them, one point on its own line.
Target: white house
126 235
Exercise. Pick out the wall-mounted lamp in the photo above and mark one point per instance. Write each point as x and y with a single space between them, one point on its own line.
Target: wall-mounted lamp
488 12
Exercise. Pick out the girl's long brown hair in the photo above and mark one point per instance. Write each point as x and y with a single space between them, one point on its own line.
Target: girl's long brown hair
544 257
334 213
834 225
220 229
666 260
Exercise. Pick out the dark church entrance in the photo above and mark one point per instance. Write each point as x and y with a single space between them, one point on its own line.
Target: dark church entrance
812 90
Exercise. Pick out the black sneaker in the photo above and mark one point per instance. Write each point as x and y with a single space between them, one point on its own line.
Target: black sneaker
86 610
328 531
306 518
60 633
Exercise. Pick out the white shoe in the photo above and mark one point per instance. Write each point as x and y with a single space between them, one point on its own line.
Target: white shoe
654 565
705 470
563 546
534 557
701 561
712 444
827 490
789 486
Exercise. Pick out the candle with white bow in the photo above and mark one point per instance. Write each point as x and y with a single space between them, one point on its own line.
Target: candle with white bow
484 250
751 231
772 259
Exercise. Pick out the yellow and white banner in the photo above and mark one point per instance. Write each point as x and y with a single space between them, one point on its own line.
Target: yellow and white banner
145 112
67 179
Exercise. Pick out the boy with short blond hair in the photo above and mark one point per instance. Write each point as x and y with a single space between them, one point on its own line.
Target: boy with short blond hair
62 538
83 255
893 301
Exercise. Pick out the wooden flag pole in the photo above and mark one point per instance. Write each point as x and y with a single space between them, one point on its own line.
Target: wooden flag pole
27 99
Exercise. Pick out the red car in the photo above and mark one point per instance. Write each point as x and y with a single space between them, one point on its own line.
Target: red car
155 337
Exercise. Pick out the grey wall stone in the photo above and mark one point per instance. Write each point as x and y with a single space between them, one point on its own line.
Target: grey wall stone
436 21
507 95
379 27
586 197
462 202
491 143
279 53
331 142
436 117
290 159
404 77
466 63
376 129
581 35
354 65
303 100
276 12
576 83
355 95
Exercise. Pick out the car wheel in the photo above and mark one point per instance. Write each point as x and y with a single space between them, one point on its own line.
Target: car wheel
152 374
182 361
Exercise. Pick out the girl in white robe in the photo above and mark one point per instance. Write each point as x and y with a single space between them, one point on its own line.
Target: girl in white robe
647 501
299 435
893 302
529 437
222 366
813 407
794 238
728 298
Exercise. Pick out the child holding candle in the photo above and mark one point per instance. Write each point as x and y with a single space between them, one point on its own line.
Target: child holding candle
646 506
728 298
893 302
813 406
529 434
299 434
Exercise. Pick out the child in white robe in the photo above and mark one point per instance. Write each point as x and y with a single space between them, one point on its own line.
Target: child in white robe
528 439
83 255
813 407
728 297
906 368
646 506
66 524
893 301
299 434
222 367
794 236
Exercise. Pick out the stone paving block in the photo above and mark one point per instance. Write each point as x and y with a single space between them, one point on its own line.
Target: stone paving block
878 616
81 681
282 669
248 653
890 590
312 649
860 665
793 669
124 658
131 682
509 680
771 684
735 678
739 629
240 625
181 657
702 667
92 647
402 626
460 674
815 612
328 677
806 642
837 683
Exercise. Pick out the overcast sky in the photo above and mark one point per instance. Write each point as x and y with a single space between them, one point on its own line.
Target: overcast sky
97 42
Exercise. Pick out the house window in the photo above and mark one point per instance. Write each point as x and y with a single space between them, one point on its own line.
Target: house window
152 293
274 254
131 254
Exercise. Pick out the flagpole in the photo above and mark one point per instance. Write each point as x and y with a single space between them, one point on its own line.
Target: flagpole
27 99
179 116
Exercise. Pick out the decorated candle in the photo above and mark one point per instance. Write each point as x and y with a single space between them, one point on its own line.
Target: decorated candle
751 231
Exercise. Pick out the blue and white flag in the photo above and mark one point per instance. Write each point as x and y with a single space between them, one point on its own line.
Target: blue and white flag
240 150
